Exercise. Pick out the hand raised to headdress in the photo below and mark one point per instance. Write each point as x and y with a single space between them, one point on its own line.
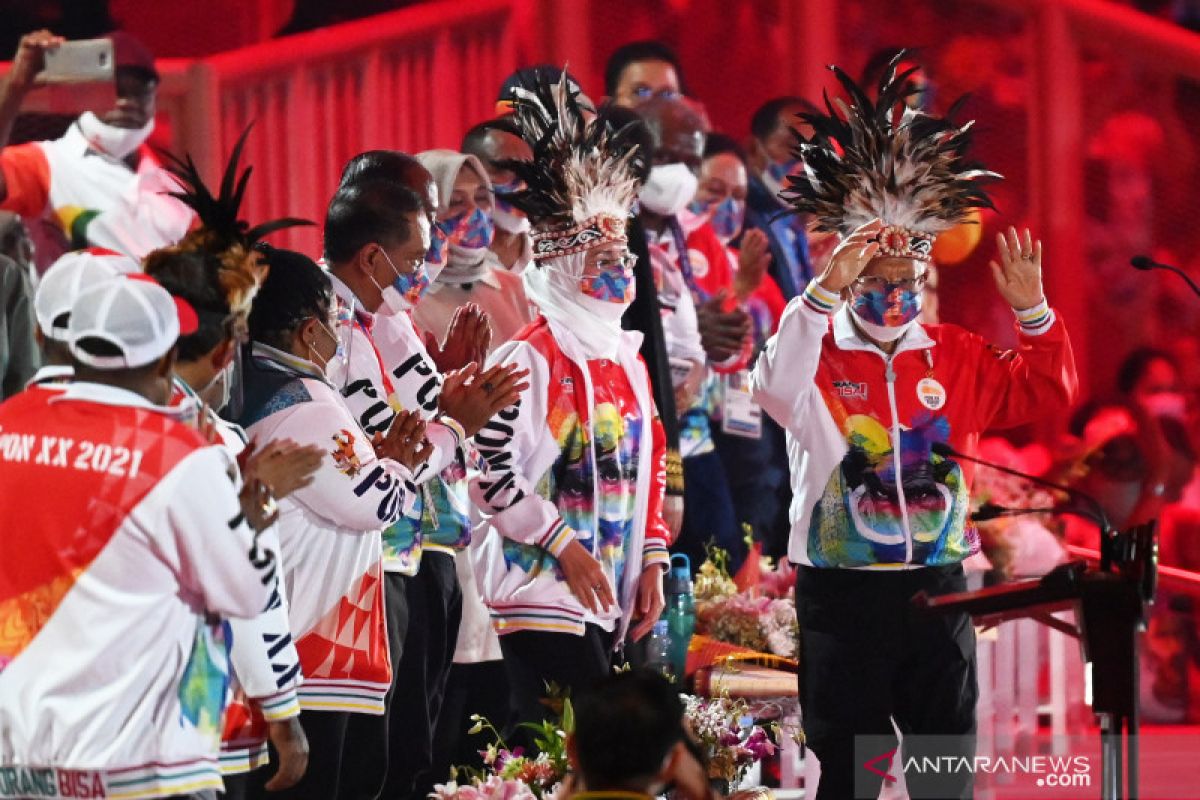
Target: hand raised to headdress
851 257
1018 273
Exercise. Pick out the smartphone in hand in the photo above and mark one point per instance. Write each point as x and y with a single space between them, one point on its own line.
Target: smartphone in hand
83 61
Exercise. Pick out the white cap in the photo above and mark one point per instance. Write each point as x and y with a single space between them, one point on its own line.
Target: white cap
135 315
70 275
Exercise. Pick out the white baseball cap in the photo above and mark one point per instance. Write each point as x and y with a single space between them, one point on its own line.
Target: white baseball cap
67 277
134 315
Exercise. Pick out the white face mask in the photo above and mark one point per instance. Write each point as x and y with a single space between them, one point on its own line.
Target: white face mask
669 189
510 221
881 333
110 140
219 389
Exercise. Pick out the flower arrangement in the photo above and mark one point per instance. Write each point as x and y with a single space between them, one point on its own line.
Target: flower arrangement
510 774
728 735
762 618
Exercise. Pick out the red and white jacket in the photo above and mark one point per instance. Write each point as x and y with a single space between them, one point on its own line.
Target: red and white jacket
124 545
862 427
329 532
579 457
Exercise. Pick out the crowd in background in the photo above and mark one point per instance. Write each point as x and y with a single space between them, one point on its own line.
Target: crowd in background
716 261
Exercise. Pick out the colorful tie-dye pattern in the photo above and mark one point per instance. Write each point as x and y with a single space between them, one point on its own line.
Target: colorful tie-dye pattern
205 680
610 286
574 483
858 520
890 306
695 425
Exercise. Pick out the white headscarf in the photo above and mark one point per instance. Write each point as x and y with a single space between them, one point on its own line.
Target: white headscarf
463 265
553 285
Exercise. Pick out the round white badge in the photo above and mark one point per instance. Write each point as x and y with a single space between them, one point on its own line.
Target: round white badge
931 394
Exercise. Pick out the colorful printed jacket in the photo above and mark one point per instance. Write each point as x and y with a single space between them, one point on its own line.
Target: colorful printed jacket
329 533
579 457
266 668
123 541
94 199
386 370
868 488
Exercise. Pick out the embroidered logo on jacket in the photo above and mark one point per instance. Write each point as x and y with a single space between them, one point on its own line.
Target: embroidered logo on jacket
344 456
849 390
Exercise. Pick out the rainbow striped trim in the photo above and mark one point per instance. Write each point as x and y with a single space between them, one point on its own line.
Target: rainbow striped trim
163 780
547 619
557 537
454 427
655 553
820 299
245 759
1036 320
360 697
284 705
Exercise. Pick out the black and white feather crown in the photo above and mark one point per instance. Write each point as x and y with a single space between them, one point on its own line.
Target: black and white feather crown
880 159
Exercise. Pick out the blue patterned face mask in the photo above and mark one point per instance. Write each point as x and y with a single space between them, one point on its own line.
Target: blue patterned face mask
435 257
725 217
778 170
470 232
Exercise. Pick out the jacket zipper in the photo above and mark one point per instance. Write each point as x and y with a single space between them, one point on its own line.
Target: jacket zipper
890 375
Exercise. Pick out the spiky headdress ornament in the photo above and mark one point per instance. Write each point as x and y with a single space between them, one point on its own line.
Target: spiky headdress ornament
582 180
882 160
221 235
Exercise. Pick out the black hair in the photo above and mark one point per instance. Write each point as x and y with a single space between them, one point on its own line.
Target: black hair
475 140
878 63
625 726
527 77
195 277
768 117
633 52
366 212
637 133
1137 364
717 143
295 289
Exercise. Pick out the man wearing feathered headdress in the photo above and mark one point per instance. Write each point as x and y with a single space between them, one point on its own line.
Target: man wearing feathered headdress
571 556
875 404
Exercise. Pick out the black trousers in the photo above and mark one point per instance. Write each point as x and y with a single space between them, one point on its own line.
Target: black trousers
480 688
533 659
347 759
867 658
708 512
434 601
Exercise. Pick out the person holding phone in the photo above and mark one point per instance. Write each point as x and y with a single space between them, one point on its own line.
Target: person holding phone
98 184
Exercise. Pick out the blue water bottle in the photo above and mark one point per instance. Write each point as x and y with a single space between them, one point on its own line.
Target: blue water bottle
680 612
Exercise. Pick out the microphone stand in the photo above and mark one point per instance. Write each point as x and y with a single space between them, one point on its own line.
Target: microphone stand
1110 608
1091 508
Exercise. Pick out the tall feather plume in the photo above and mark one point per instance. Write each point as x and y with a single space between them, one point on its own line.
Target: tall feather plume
579 168
221 233
868 160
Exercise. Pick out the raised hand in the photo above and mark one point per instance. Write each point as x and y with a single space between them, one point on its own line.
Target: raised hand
467 339
405 441
1018 273
471 398
31 58
851 257
722 333
283 465
753 259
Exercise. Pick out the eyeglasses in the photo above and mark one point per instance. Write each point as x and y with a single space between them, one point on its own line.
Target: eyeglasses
645 93
625 263
872 283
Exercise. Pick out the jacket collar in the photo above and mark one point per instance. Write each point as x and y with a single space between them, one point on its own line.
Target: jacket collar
106 395
846 336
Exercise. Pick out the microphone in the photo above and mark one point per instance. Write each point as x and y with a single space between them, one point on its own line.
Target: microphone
1079 503
1146 263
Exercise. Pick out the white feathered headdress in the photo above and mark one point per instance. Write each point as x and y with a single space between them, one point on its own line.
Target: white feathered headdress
582 181
882 160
